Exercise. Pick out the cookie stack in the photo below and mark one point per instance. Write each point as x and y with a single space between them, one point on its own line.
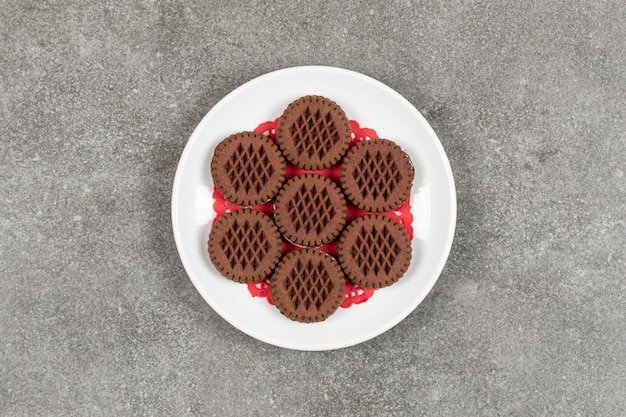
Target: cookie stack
310 210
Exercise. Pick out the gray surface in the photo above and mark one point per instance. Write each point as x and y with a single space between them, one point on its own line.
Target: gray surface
97 315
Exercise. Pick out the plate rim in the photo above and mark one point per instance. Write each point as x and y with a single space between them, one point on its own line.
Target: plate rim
451 195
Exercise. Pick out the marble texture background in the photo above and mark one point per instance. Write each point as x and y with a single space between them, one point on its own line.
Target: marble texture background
97 315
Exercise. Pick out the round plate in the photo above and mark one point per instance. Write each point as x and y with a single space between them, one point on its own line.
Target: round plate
373 105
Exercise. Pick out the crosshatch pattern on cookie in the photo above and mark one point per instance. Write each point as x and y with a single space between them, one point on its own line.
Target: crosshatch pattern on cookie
308 285
374 251
245 245
248 168
313 132
310 210
377 175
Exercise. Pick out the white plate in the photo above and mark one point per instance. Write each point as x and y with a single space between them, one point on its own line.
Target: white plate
373 105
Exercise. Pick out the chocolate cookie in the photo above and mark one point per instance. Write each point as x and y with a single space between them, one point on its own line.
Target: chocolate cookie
308 285
313 132
248 168
245 245
377 175
310 210
374 251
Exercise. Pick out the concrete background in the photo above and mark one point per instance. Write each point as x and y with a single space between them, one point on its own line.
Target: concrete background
97 315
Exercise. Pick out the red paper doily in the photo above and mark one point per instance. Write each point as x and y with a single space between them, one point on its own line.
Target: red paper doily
354 294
